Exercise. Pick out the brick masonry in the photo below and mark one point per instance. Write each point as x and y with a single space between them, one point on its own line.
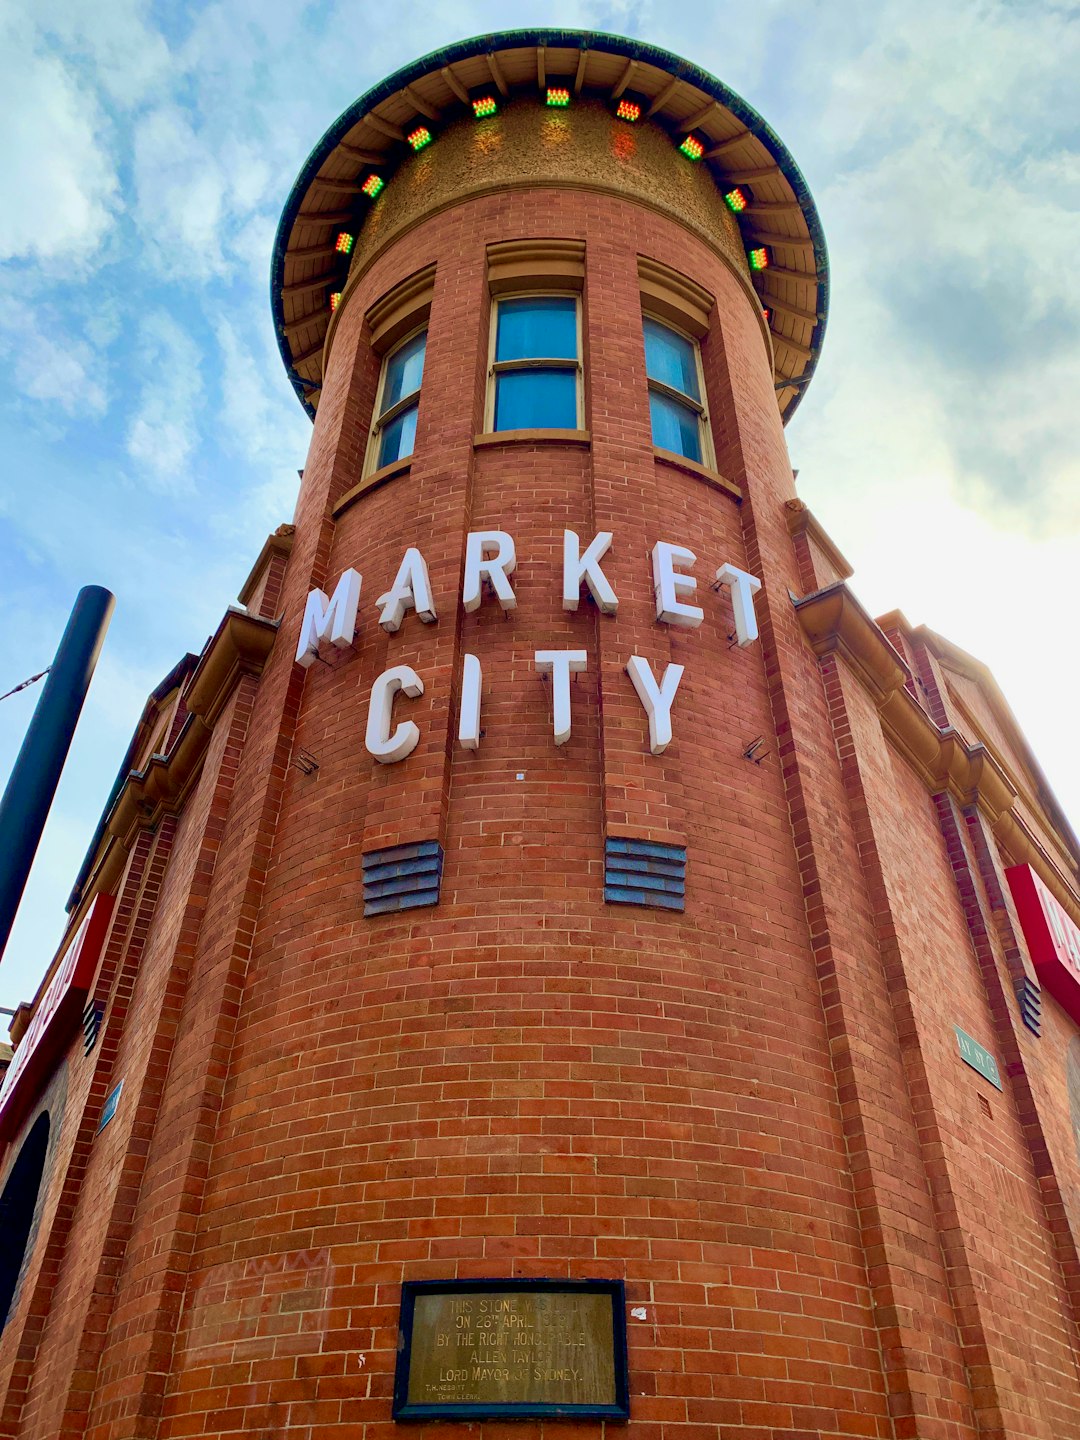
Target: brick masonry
751 1109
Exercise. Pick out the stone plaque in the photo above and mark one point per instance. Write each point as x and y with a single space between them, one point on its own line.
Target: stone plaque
476 1349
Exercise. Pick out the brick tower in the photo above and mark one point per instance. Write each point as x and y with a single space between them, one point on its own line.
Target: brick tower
549 872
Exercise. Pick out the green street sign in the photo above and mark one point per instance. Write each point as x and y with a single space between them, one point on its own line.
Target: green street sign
973 1054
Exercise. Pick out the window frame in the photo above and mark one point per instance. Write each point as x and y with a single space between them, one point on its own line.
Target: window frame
380 422
539 362
680 397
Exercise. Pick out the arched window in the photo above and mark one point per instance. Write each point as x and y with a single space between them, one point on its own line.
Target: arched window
17 1205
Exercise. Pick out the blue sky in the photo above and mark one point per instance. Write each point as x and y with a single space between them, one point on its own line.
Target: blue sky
149 439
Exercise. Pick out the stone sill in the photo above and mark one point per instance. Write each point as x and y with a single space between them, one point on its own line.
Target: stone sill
700 472
372 482
533 437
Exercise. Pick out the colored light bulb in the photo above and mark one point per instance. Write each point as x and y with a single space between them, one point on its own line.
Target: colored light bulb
558 96
372 185
419 137
736 200
628 110
759 258
484 106
692 148
344 243
335 299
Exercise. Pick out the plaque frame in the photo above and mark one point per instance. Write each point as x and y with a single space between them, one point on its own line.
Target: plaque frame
515 1410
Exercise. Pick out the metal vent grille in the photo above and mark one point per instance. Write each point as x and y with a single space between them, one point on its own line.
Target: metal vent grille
642 872
91 1025
402 877
1030 998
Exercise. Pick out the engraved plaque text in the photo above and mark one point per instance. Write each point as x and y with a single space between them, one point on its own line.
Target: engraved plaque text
523 1348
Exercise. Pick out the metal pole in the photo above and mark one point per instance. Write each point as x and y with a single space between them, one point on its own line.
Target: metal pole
30 790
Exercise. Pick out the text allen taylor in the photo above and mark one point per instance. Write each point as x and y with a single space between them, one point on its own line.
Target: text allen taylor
491 558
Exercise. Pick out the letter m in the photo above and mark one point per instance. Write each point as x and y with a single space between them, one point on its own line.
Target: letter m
333 619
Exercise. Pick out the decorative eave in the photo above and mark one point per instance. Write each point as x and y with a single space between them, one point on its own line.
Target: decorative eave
1032 786
678 96
802 521
280 542
241 645
834 622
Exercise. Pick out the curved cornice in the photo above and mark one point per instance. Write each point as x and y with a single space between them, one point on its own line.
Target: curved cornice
745 150
835 623
239 646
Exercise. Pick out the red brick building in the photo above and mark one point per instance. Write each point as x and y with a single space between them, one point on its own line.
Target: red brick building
624 904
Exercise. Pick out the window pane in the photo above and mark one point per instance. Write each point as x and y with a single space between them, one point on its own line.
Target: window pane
398 437
674 426
542 327
404 371
536 400
670 358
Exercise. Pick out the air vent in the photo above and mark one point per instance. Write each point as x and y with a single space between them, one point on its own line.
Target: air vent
91 1025
642 872
402 877
1030 999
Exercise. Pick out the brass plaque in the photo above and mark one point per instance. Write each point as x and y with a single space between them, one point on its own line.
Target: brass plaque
512 1348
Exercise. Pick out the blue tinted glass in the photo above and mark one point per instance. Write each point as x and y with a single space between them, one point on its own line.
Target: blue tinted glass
543 327
674 426
536 400
398 437
670 358
404 371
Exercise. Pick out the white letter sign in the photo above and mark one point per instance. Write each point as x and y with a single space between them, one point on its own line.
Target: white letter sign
335 617
656 699
384 745
489 555
559 664
411 590
469 710
578 567
670 586
743 589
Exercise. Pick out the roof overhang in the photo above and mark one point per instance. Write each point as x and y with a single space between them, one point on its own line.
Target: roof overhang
740 149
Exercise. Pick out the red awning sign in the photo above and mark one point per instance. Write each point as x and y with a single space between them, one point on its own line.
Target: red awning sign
1052 935
56 1017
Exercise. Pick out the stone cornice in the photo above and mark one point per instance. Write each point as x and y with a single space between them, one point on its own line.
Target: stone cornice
240 646
835 623
1033 787
802 521
279 543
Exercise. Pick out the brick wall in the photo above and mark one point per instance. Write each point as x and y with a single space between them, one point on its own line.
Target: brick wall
752 1111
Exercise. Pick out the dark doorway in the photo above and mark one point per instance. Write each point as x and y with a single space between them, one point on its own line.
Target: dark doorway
17 1205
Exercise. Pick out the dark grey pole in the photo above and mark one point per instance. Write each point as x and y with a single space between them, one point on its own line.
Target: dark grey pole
33 782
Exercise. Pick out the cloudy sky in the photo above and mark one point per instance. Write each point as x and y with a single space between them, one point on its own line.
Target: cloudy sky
149 440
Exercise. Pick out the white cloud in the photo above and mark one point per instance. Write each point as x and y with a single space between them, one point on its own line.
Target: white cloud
194 192
949 202
47 361
163 434
180 195
258 422
57 178
117 42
